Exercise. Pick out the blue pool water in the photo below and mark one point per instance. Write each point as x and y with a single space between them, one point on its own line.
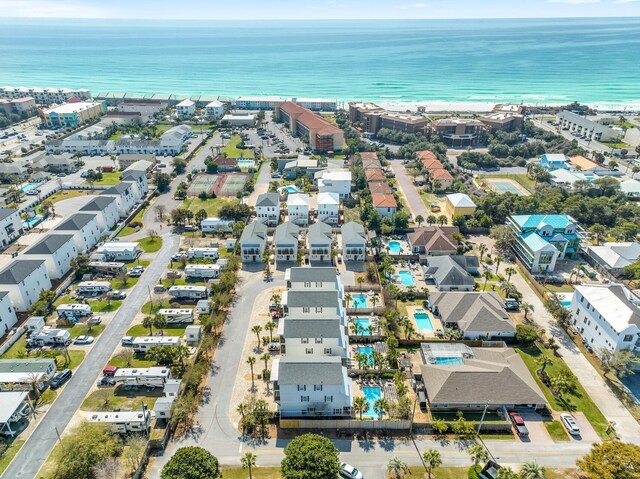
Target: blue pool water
423 321
406 278
395 247
359 301
371 394
246 163
566 303
31 222
28 186
291 189
368 350
449 360
365 325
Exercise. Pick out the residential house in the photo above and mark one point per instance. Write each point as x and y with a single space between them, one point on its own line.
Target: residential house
459 204
316 279
55 164
298 208
57 251
370 160
459 378
441 179
375 176
85 229
24 280
354 242
215 225
253 242
614 257
119 251
319 242
329 208
554 161
18 374
8 318
477 315
630 188
449 273
379 188
139 179
10 226
567 177
106 210
541 240
268 209
292 169
385 205
286 241
185 108
334 181
607 316
302 337
128 159
433 240
214 109
126 197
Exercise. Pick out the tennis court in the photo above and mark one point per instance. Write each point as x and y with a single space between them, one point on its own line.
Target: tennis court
229 184
201 183
506 185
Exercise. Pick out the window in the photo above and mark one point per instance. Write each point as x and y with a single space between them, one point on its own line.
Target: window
337 412
305 309
304 398
328 399
302 387
627 338
317 387
318 340
327 351
309 350
307 284
304 340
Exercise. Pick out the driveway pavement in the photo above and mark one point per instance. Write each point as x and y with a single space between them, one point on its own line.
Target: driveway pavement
409 191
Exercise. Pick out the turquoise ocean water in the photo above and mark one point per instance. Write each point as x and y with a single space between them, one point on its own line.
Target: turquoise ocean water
537 61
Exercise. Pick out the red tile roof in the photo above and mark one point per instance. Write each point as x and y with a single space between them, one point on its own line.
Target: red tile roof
432 164
440 174
384 201
375 175
368 155
309 119
426 155
379 187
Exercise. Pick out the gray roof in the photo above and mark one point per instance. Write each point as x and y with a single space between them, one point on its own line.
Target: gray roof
311 328
254 233
49 244
118 189
446 271
76 222
99 203
57 160
6 212
301 275
286 233
474 311
312 299
268 199
137 157
132 175
320 233
3 294
311 370
352 232
494 375
18 270
27 365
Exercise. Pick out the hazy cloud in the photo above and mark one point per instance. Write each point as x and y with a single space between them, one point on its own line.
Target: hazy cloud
574 2
54 9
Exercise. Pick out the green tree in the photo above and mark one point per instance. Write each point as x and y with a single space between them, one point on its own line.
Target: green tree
432 460
510 271
506 473
526 334
248 462
200 216
251 360
503 237
160 322
618 363
147 322
191 463
397 468
442 220
486 274
597 231
543 362
478 454
310 456
381 406
162 181
257 329
532 470
360 405
527 308
482 249
419 220
611 460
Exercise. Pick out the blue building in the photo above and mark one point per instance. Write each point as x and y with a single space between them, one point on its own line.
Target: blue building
553 161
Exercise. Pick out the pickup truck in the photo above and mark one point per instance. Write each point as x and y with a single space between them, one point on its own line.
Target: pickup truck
518 424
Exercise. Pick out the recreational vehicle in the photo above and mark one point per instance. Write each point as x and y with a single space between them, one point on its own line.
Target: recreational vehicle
145 377
177 316
93 288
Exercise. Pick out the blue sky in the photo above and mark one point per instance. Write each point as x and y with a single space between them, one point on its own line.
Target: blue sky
316 9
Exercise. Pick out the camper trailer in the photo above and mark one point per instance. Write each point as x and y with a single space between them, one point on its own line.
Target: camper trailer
106 268
143 343
124 422
188 292
177 315
154 377
202 271
93 288
73 311
203 253
49 337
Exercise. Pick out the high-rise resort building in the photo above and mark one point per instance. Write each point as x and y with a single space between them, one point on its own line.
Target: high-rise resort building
372 118
72 114
322 135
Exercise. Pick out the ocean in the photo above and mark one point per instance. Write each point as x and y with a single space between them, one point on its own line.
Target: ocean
538 61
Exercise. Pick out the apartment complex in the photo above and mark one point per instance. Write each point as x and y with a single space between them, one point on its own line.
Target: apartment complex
584 127
372 118
44 96
17 105
72 114
459 131
322 135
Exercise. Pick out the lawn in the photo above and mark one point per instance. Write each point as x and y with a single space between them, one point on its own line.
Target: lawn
617 144
17 350
150 244
232 151
128 230
109 178
104 306
140 330
64 299
120 397
237 472
579 400
83 330
137 361
211 206
76 357
9 454
352 214
67 194
556 431
118 283
150 308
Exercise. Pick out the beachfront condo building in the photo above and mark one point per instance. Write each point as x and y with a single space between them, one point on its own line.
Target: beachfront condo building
72 114
372 118
459 131
44 96
584 127
321 135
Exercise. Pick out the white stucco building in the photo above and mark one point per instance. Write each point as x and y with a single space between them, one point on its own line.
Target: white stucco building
106 209
24 280
126 197
185 108
10 226
329 208
8 318
285 241
268 209
214 109
334 181
85 229
57 250
298 208
253 242
320 242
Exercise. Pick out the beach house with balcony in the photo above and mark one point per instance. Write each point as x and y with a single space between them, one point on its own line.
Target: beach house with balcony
354 241
268 209
329 208
319 242
285 241
253 242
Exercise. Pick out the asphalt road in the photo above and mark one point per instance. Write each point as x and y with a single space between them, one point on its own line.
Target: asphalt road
37 448
416 205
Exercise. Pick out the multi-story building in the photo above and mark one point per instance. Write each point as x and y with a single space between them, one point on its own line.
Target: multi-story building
502 121
334 181
385 205
44 96
18 105
214 109
139 180
541 240
329 208
317 278
317 104
10 226
258 102
268 209
433 240
126 197
106 209
607 316
322 135
320 242
354 241
72 114
253 242
8 317
24 280
298 208
584 127
57 251
285 241
185 108
85 229
459 131
373 118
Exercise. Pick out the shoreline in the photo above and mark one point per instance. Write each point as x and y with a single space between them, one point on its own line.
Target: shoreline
440 106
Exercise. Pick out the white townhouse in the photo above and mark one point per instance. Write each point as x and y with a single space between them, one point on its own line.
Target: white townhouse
302 337
214 109
126 197
298 208
285 241
10 226
8 317
317 278
85 228
186 108
320 242
172 140
202 271
57 251
268 209
24 280
139 179
253 242
329 208
354 243
316 304
119 251
106 209
312 387
334 181
607 316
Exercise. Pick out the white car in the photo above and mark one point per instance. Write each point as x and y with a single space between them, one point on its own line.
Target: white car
349 472
570 424
83 340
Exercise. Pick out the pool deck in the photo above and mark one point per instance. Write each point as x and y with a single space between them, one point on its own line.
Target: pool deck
404 246
435 322
418 277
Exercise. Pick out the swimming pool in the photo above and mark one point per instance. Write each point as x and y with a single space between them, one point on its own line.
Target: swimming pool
368 351
246 163
371 394
291 189
423 321
359 301
406 278
365 325
31 222
28 186
453 360
566 303
395 247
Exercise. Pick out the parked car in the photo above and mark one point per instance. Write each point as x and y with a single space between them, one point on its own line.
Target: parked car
106 381
94 320
61 378
350 472
518 424
570 424
136 271
117 294
127 341
83 340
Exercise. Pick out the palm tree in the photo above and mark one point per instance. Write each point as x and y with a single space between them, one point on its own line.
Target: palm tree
482 249
147 322
348 299
359 405
432 459
160 322
248 461
419 220
531 470
356 328
396 469
251 361
527 308
506 473
242 409
257 329
275 299
431 219
487 276
265 357
380 407
270 326
510 271
543 362
374 300
498 260
509 289
442 220
478 454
